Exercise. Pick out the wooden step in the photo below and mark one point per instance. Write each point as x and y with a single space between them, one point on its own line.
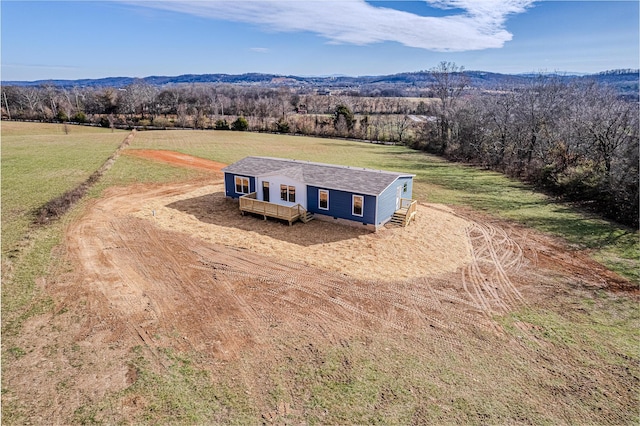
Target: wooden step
307 217
399 218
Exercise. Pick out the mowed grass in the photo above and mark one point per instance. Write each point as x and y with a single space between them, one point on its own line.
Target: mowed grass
436 181
40 162
578 364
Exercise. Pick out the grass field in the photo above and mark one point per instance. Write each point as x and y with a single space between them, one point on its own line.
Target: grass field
579 339
39 166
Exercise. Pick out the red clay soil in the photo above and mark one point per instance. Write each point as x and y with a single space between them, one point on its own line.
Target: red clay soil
177 159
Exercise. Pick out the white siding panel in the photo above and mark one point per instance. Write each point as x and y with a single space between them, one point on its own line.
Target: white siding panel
274 190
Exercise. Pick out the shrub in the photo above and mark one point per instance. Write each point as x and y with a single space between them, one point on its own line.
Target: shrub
62 117
160 122
222 125
241 124
79 117
282 126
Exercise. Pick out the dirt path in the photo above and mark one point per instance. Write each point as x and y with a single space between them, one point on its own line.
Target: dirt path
179 266
180 257
177 159
215 283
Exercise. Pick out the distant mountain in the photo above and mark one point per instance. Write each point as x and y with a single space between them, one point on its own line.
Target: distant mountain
625 81
122 82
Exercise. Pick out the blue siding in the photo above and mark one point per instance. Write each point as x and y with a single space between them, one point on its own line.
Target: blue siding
377 210
230 185
340 205
387 200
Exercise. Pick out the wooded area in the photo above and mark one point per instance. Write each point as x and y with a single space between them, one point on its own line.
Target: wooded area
578 141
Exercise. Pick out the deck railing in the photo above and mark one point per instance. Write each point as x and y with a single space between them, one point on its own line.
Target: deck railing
249 203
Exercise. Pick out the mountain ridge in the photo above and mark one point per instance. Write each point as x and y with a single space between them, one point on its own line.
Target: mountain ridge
625 81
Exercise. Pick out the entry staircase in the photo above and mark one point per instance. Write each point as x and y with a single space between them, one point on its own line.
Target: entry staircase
306 216
405 214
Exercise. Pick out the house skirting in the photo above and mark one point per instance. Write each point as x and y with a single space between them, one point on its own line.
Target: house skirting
325 218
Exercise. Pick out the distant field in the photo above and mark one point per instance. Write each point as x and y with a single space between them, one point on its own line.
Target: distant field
282 344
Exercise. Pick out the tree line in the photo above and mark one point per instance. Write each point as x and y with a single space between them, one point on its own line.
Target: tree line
578 141
197 105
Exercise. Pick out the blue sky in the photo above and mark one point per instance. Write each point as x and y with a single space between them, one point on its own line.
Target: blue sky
94 39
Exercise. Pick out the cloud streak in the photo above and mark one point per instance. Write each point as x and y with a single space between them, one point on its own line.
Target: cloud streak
472 25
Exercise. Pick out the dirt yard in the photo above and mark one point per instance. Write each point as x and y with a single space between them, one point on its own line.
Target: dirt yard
177 266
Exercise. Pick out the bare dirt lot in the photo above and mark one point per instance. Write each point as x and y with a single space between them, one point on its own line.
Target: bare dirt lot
177 266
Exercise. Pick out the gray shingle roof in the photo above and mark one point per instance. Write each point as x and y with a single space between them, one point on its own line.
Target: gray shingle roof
329 176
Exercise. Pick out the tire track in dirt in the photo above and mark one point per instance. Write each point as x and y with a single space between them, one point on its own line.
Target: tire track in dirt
297 279
494 256
171 289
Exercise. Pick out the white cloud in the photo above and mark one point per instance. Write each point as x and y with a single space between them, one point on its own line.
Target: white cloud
479 25
259 49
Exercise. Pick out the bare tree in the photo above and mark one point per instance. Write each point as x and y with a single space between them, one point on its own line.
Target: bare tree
501 128
540 108
449 81
5 103
399 125
30 97
607 122
51 97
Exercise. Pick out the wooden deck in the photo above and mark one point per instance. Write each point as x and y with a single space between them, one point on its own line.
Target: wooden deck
249 204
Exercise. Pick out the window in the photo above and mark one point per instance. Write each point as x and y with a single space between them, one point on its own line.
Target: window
242 185
405 188
323 202
358 202
288 193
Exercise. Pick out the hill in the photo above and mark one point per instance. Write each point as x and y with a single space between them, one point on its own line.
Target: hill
401 84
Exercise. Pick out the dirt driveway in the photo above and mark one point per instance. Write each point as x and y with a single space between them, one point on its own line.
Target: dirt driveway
179 260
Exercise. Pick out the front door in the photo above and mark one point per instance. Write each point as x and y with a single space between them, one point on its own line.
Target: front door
265 191
398 197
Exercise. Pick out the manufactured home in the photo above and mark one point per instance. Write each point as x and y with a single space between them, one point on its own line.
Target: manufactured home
301 190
